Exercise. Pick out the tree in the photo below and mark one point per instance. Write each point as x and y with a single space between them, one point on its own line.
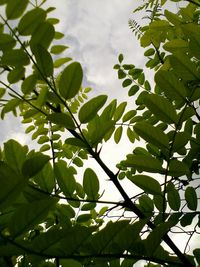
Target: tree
49 217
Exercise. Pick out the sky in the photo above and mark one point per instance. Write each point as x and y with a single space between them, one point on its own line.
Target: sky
96 32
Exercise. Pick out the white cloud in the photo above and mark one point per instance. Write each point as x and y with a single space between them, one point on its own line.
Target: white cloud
97 31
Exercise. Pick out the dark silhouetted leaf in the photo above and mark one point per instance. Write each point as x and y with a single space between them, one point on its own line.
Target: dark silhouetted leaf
191 198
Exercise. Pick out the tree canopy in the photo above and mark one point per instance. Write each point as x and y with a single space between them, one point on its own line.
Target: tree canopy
52 209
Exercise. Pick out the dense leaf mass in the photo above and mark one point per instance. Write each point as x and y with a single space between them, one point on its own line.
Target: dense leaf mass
52 206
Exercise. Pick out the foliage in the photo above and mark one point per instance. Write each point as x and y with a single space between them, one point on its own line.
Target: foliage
51 217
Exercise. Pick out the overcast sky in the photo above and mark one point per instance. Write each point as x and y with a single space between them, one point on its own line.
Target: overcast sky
97 31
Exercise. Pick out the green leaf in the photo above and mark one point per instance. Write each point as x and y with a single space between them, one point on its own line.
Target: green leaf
15 154
11 184
129 115
29 215
133 90
191 198
127 82
161 107
30 21
119 111
43 60
76 142
108 112
176 45
187 219
15 58
3 2
118 134
57 49
178 168
46 178
89 110
29 84
15 9
180 141
84 218
43 35
173 18
98 129
148 184
11 105
152 134
16 75
149 52
60 61
171 85
6 41
71 80
183 66
173 197
2 92
154 239
121 74
34 164
120 58
65 178
143 163
146 204
62 119
91 183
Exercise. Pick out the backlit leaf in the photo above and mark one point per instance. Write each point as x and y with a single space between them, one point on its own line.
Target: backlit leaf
183 66
16 75
30 21
119 111
154 239
28 215
148 184
171 85
57 49
43 60
70 80
118 134
11 184
65 178
60 61
143 163
14 154
43 35
28 85
15 9
6 41
62 119
90 183
161 107
34 164
152 134
89 110
15 58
